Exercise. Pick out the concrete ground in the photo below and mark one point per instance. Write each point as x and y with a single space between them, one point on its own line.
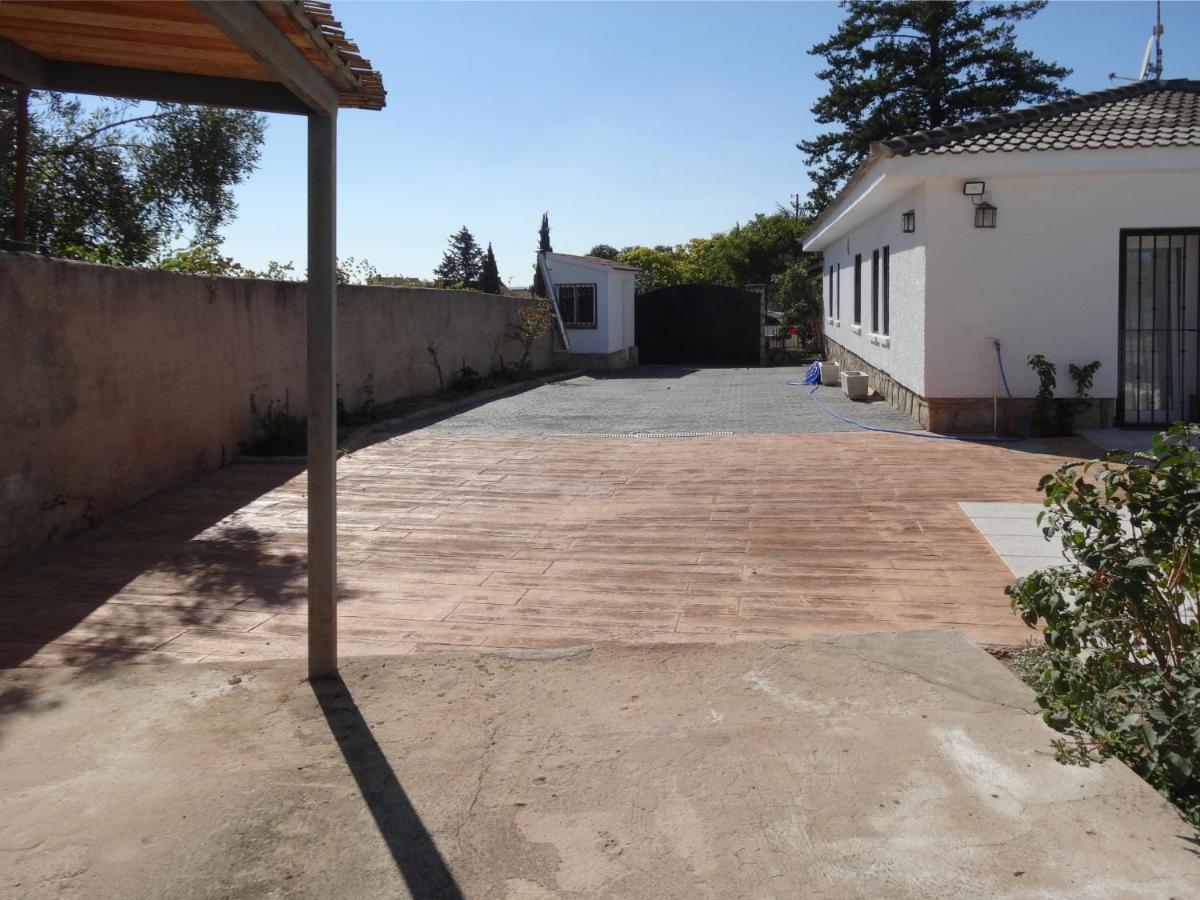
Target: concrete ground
909 765
673 399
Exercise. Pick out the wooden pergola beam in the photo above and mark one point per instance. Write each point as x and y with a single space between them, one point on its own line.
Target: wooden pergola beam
21 66
25 68
248 27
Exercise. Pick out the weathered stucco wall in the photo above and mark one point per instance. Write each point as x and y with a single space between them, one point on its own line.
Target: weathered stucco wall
119 383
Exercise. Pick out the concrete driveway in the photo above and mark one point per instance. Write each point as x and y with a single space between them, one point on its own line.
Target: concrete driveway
907 766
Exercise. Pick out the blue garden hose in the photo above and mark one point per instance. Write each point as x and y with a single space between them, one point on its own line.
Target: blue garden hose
987 439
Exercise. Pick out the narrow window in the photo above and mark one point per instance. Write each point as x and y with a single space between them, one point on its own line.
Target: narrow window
887 290
875 292
830 292
857 288
838 285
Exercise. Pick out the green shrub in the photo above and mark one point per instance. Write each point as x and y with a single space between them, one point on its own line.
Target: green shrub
1120 670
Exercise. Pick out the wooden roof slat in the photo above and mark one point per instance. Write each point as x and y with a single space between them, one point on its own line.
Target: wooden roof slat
168 36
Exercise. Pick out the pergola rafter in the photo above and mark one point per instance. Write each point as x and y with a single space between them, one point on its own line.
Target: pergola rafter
280 56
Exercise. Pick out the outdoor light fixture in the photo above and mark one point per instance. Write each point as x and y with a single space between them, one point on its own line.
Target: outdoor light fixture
909 221
985 215
974 188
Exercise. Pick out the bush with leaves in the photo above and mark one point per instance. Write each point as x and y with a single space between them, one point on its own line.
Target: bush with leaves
1120 670
1054 416
533 323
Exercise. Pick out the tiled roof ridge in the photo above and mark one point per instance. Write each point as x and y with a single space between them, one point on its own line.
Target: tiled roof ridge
948 134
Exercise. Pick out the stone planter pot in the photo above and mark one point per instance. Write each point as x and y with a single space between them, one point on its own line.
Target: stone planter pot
856 385
830 372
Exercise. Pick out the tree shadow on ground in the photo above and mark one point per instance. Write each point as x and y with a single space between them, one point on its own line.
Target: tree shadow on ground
412 847
179 560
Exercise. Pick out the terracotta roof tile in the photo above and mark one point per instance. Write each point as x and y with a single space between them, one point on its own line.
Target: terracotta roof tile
1143 114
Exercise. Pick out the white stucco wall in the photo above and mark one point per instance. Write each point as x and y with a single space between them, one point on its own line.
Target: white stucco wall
902 353
1045 280
628 297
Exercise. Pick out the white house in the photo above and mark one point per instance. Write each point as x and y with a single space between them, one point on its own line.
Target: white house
1069 229
596 301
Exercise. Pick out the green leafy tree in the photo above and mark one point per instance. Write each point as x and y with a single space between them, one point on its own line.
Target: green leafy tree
489 279
899 67
757 252
121 183
539 283
462 263
657 266
604 251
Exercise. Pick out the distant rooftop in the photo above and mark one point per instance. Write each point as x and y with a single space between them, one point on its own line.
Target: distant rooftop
1143 114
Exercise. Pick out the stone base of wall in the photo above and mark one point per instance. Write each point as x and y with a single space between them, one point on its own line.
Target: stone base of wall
984 415
908 402
963 415
618 359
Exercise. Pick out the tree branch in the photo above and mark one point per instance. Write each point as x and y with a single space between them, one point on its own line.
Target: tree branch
84 138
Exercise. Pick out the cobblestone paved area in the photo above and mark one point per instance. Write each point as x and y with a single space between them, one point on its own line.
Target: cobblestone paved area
670 399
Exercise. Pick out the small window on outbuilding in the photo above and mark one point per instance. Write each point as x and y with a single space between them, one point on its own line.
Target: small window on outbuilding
577 304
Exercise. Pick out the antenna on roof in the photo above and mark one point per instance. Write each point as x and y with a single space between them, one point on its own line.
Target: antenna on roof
1149 70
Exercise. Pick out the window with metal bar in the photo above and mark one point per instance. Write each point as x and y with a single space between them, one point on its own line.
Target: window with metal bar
577 304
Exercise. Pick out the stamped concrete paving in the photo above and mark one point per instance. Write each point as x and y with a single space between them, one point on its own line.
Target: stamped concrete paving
900 766
463 541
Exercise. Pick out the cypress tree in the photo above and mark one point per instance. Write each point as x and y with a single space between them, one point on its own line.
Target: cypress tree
489 278
462 262
911 65
539 283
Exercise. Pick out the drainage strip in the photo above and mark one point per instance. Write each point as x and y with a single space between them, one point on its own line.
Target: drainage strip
646 434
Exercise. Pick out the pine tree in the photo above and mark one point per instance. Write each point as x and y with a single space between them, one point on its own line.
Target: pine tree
489 279
539 283
462 262
911 65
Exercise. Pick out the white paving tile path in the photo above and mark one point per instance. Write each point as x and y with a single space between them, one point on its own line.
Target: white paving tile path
1013 532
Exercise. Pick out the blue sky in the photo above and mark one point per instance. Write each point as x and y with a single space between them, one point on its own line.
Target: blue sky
631 123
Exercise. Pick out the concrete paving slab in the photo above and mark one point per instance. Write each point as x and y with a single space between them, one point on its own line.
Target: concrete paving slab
989 510
1024 544
1133 440
888 765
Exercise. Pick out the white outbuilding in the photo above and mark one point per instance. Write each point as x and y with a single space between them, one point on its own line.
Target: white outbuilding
596 302
1069 229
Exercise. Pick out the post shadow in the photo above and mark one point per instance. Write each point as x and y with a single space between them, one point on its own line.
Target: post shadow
408 840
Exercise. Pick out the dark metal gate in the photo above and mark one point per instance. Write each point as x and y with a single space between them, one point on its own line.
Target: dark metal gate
699 324
1159 364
